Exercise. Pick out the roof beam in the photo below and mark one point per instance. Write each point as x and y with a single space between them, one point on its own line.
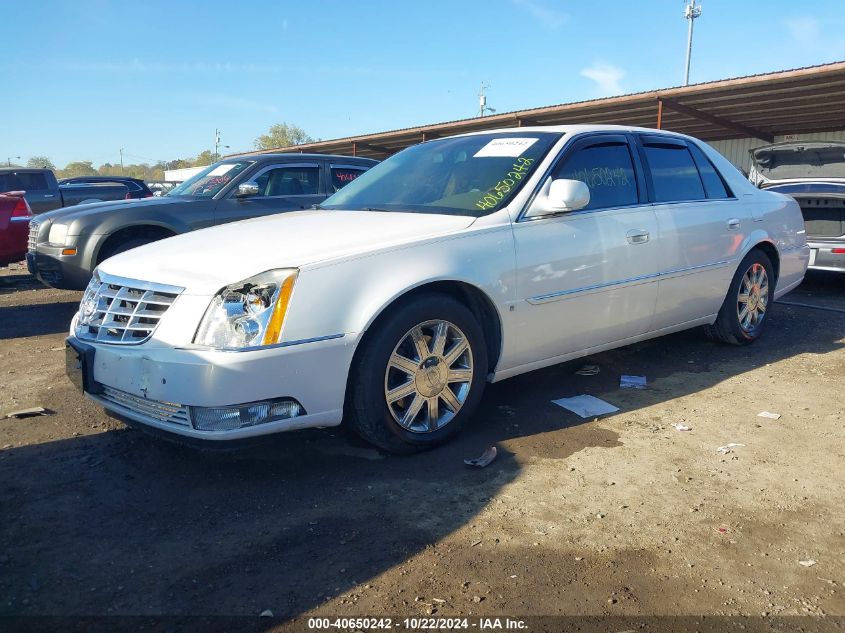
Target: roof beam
715 120
373 148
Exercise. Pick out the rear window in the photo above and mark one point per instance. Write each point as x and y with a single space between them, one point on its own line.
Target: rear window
33 181
673 173
10 182
28 181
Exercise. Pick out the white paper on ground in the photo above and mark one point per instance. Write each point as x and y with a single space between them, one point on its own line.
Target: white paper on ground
586 406
505 147
632 382
770 416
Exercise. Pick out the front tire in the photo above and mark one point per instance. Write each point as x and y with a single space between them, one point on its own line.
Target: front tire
743 314
419 376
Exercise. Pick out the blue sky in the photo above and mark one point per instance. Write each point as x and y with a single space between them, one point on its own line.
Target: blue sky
81 79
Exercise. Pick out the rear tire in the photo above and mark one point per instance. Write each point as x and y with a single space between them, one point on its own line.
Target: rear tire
742 316
419 376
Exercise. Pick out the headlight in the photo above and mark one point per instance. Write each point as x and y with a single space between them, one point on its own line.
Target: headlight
58 234
249 313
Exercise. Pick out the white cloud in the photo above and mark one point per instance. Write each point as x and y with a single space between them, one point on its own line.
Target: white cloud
607 78
805 30
549 17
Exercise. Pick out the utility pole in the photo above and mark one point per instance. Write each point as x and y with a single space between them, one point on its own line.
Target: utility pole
216 145
482 101
121 162
9 159
691 12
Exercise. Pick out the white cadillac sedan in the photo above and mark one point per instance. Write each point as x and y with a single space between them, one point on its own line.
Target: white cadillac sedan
454 263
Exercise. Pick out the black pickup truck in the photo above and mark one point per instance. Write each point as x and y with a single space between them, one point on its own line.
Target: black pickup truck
44 193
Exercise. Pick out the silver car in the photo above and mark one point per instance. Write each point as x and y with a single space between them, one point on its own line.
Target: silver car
454 263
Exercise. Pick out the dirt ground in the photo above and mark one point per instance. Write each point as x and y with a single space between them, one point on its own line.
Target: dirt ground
622 515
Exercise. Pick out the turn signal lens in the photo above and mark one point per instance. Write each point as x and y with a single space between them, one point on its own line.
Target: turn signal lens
273 333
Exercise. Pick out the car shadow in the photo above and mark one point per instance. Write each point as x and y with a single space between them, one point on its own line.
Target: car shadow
14 282
36 319
118 522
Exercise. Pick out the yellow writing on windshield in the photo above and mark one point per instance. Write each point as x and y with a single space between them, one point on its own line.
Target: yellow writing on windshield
494 195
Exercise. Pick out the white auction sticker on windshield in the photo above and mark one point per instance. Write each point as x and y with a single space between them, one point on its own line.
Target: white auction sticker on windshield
220 170
512 147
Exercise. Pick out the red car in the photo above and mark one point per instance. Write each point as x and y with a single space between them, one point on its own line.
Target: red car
14 226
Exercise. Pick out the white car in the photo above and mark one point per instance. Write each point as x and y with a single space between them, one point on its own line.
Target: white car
454 263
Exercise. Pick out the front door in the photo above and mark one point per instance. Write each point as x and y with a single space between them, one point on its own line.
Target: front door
281 187
589 277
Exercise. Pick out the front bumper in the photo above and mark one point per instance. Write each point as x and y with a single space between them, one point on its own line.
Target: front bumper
822 256
49 266
157 387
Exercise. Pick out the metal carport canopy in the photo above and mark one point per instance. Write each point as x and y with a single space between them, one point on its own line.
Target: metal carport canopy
810 99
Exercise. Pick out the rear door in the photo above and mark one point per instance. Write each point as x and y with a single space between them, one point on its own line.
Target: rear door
281 187
702 228
589 277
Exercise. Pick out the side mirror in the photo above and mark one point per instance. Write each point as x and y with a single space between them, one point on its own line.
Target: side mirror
247 189
559 196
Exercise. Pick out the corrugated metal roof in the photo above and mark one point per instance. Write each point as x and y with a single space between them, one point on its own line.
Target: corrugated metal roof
807 99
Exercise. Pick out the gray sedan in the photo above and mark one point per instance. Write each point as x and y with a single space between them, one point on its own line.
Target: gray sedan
66 245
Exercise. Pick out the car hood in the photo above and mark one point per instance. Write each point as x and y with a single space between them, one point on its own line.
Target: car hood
68 215
204 261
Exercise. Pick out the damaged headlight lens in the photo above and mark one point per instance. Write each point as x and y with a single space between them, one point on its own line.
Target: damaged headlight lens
250 313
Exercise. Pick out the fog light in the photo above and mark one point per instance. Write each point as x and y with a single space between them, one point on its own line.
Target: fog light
241 416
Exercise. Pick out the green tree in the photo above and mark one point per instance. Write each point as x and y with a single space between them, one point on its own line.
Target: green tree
78 168
204 158
40 162
282 135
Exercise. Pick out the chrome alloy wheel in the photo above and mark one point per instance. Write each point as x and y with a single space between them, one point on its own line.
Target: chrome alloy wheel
428 376
753 297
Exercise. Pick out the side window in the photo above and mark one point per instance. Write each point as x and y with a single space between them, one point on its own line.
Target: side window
714 186
10 182
32 181
289 181
607 170
673 173
342 176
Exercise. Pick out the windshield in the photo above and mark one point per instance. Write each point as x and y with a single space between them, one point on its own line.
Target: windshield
800 161
466 175
210 180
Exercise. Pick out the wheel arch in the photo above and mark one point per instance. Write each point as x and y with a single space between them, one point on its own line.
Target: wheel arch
763 242
155 230
473 297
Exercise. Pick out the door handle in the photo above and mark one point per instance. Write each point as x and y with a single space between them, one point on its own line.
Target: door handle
637 236
733 223
49 195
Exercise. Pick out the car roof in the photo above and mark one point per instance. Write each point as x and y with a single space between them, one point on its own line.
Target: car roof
576 129
103 178
293 156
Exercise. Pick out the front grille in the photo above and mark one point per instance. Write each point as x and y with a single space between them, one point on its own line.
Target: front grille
119 314
823 217
166 412
32 240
